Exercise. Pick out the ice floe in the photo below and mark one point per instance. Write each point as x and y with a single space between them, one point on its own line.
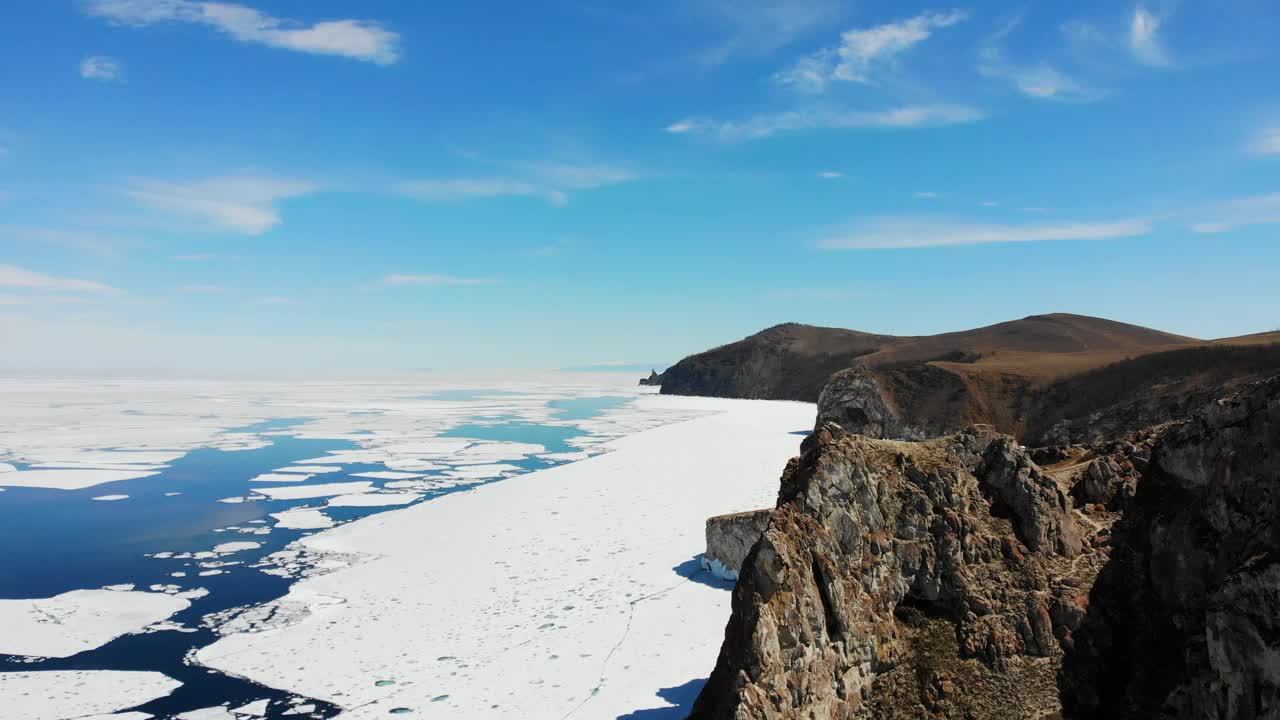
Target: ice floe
255 709
309 469
374 499
302 519
80 620
302 492
280 477
573 592
387 475
235 547
70 479
108 498
82 694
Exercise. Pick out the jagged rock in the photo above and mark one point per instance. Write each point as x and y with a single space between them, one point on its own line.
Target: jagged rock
903 570
1184 621
730 538
653 379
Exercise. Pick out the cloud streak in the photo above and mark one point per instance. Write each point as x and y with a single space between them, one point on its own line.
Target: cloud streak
864 53
1037 80
100 67
15 278
433 280
1241 213
914 232
550 182
766 125
242 204
363 40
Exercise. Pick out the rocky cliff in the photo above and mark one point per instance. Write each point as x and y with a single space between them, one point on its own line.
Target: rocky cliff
958 577
1184 621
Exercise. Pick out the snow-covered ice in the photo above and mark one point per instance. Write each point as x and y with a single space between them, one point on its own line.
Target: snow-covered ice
70 479
557 590
82 694
80 620
309 469
109 498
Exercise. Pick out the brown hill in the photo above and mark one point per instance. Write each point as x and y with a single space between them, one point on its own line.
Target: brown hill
1045 378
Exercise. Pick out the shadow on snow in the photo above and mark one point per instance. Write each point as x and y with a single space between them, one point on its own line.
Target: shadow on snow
681 699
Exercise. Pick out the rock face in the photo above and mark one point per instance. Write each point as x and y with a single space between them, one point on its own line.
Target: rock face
654 379
855 400
1184 621
730 538
903 580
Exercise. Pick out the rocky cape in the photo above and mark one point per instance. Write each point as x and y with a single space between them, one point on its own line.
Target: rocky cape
967 577
1046 379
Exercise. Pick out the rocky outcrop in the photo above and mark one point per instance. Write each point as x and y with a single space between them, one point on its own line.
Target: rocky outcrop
730 538
905 579
855 400
654 379
1184 621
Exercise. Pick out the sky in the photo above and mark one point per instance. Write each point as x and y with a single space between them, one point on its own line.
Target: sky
313 185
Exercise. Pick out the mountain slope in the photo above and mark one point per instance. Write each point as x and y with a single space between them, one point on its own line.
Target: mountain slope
1040 378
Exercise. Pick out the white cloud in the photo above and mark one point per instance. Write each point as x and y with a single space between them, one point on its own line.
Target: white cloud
762 126
1241 213
830 174
913 232
434 280
551 182
242 204
865 52
16 278
925 195
356 39
1144 39
1267 142
100 67
1038 80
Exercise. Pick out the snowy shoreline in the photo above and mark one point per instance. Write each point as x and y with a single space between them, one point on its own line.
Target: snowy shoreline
571 590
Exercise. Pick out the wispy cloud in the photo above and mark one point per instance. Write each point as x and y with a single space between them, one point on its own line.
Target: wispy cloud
917 232
16 278
241 204
759 27
1038 80
356 39
1267 142
551 182
27 300
1144 38
100 67
763 126
1241 213
202 289
434 280
831 174
864 53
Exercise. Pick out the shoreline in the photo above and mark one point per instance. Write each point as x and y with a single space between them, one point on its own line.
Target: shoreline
570 590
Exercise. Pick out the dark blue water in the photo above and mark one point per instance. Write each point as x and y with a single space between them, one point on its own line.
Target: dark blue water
55 541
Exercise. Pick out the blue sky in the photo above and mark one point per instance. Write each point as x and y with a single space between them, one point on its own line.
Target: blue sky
322 185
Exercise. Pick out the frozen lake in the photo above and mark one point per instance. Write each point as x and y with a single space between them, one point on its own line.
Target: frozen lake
174 504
